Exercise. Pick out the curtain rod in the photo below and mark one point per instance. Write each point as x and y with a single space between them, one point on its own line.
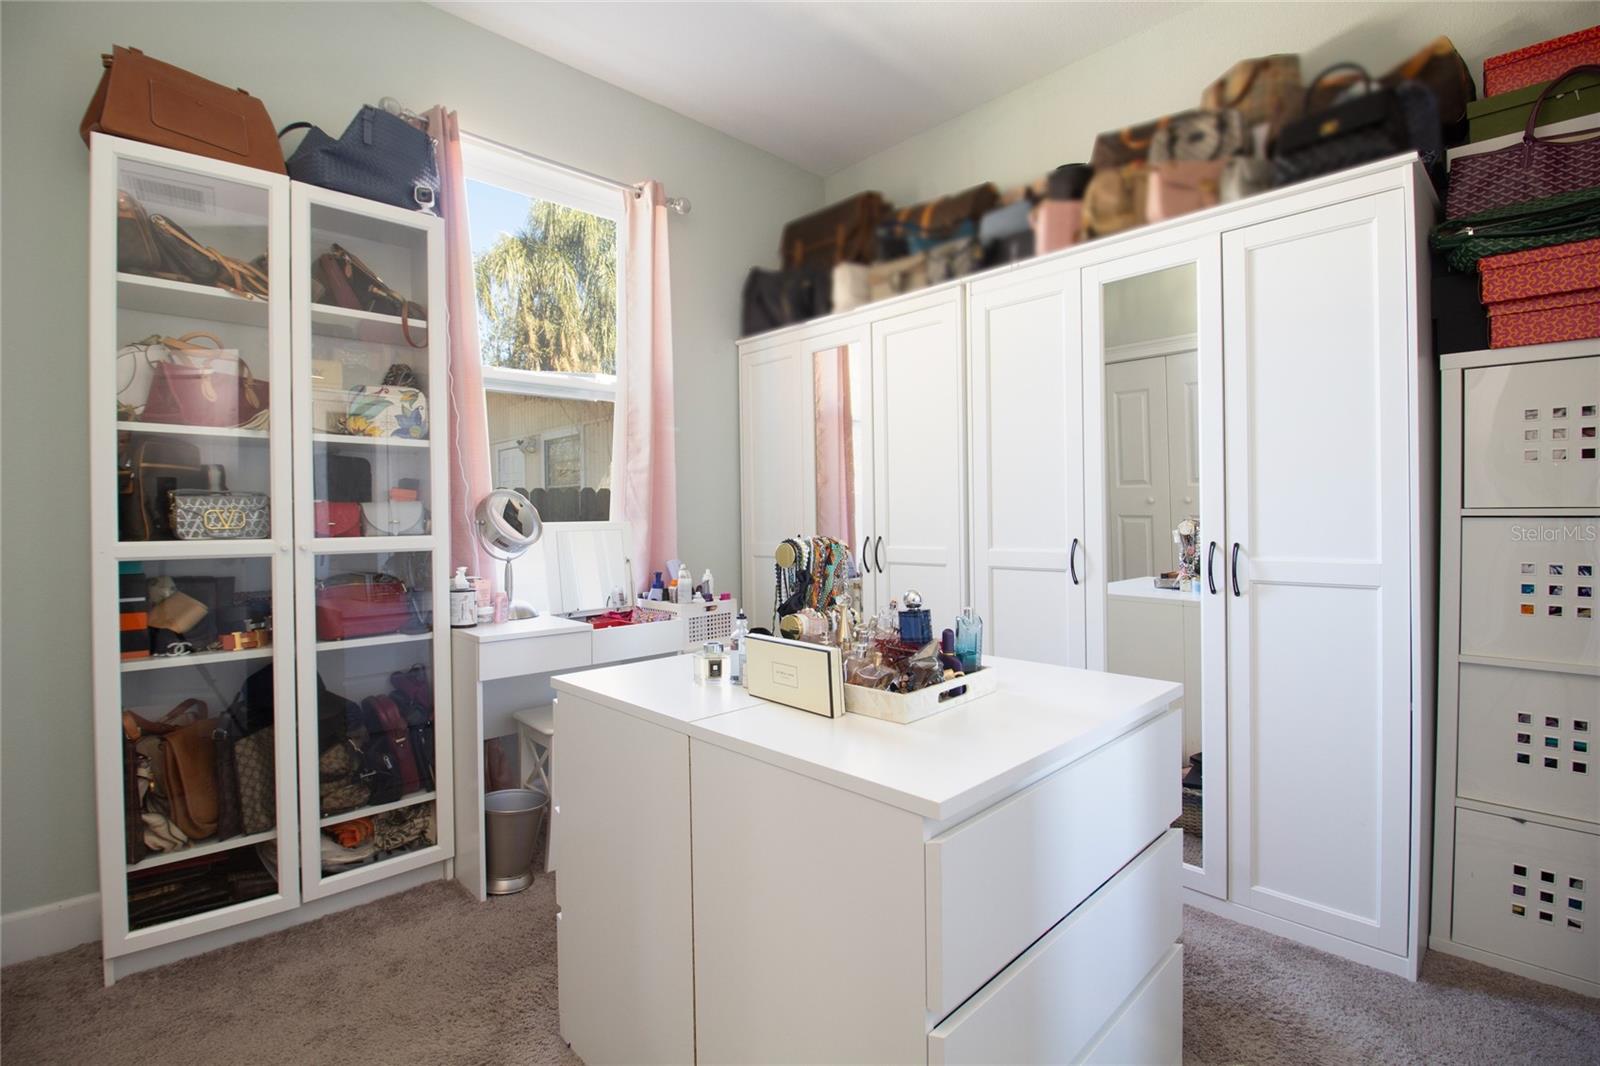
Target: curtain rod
677 204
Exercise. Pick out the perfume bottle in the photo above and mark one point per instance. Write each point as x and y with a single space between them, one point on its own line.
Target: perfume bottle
916 622
969 640
711 665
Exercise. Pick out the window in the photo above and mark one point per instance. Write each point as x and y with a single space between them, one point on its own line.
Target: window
546 257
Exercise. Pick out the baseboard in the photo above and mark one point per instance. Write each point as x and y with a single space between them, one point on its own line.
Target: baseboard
45 930
1446 946
1388 962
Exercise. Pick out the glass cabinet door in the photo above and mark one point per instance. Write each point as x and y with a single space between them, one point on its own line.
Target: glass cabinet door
1153 556
371 530
190 473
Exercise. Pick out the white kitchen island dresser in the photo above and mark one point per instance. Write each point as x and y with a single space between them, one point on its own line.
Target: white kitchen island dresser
1261 369
745 882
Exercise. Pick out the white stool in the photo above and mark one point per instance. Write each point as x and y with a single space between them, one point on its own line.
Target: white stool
536 733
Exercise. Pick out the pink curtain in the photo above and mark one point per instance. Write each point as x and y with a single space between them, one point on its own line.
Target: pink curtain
835 449
645 457
469 416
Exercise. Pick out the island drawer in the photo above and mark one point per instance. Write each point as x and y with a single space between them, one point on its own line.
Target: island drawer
1053 1000
1148 1031
998 881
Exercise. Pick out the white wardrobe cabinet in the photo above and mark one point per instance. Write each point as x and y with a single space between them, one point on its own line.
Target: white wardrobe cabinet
1027 465
854 431
1322 520
1260 367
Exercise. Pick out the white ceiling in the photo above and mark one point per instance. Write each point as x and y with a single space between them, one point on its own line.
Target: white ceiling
823 85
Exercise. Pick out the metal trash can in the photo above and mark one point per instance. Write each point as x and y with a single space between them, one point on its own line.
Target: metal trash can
512 819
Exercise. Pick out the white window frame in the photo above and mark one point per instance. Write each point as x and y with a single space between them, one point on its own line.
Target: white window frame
486 161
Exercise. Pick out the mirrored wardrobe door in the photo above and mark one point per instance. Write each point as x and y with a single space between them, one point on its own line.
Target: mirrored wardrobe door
840 365
1153 557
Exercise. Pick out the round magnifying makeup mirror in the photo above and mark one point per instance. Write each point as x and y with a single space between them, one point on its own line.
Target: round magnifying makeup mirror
508 525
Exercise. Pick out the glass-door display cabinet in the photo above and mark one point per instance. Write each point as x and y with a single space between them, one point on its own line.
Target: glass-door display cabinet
192 518
268 552
371 535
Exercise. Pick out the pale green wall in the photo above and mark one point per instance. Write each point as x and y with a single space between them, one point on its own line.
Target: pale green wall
1054 120
316 62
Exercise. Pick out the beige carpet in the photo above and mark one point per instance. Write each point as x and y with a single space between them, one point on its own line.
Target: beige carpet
427 977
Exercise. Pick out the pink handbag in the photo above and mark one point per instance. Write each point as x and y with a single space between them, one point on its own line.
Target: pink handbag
1532 170
1057 224
1180 187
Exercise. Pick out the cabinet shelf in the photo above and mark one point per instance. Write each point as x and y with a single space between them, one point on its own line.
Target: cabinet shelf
369 442
350 324
181 299
232 843
175 429
382 808
373 642
201 658
192 549
350 545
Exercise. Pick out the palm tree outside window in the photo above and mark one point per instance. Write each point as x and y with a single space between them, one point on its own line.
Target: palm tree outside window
546 266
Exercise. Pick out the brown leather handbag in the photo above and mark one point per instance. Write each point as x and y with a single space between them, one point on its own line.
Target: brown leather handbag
845 232
1265 91
1115 200
144 99
191 778
348 282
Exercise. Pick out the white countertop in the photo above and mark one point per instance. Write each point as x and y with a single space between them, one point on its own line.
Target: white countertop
1143 588
662 691
546 625
952 762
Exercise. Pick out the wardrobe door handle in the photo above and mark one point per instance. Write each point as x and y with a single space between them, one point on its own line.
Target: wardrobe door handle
1234 566
865 544
1211 567
1072 561
877 554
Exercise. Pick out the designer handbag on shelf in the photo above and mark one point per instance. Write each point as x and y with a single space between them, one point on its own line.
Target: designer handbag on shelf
384 719
1563 219
1178 188
350 283
188 260
336 519
1537 168
201 514
1265 92
148 471
380 156
1194 136
196 385
362 605
144 99
1379 123
1116 200
394 518
906 274
387 411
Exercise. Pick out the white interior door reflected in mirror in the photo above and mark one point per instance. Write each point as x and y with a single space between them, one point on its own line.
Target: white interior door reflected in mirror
1152 354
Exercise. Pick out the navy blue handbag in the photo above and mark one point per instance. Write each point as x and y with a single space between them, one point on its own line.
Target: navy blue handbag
380 157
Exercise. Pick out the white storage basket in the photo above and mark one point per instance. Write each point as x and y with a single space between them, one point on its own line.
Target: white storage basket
1529 590
1527 891
1532 435
1527 740
705 621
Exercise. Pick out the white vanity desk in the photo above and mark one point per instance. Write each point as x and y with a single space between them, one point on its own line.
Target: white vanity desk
745 882
502 668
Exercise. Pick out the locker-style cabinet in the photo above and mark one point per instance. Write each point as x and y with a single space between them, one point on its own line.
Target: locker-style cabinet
1517 802
1259 369
269 623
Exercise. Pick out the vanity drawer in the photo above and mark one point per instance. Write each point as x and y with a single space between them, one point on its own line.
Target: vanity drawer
1530 435
643 641
1048 1004
1527 740
1148 1031
996 882
1505 869
1528 588
543 654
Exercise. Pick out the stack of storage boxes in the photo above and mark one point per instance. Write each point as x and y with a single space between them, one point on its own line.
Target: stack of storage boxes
1517 836
1542 295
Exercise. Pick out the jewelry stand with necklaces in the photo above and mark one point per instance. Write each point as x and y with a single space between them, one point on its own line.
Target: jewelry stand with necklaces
816 591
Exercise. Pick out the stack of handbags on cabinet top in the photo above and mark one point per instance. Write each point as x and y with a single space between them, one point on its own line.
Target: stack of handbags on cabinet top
1522 215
